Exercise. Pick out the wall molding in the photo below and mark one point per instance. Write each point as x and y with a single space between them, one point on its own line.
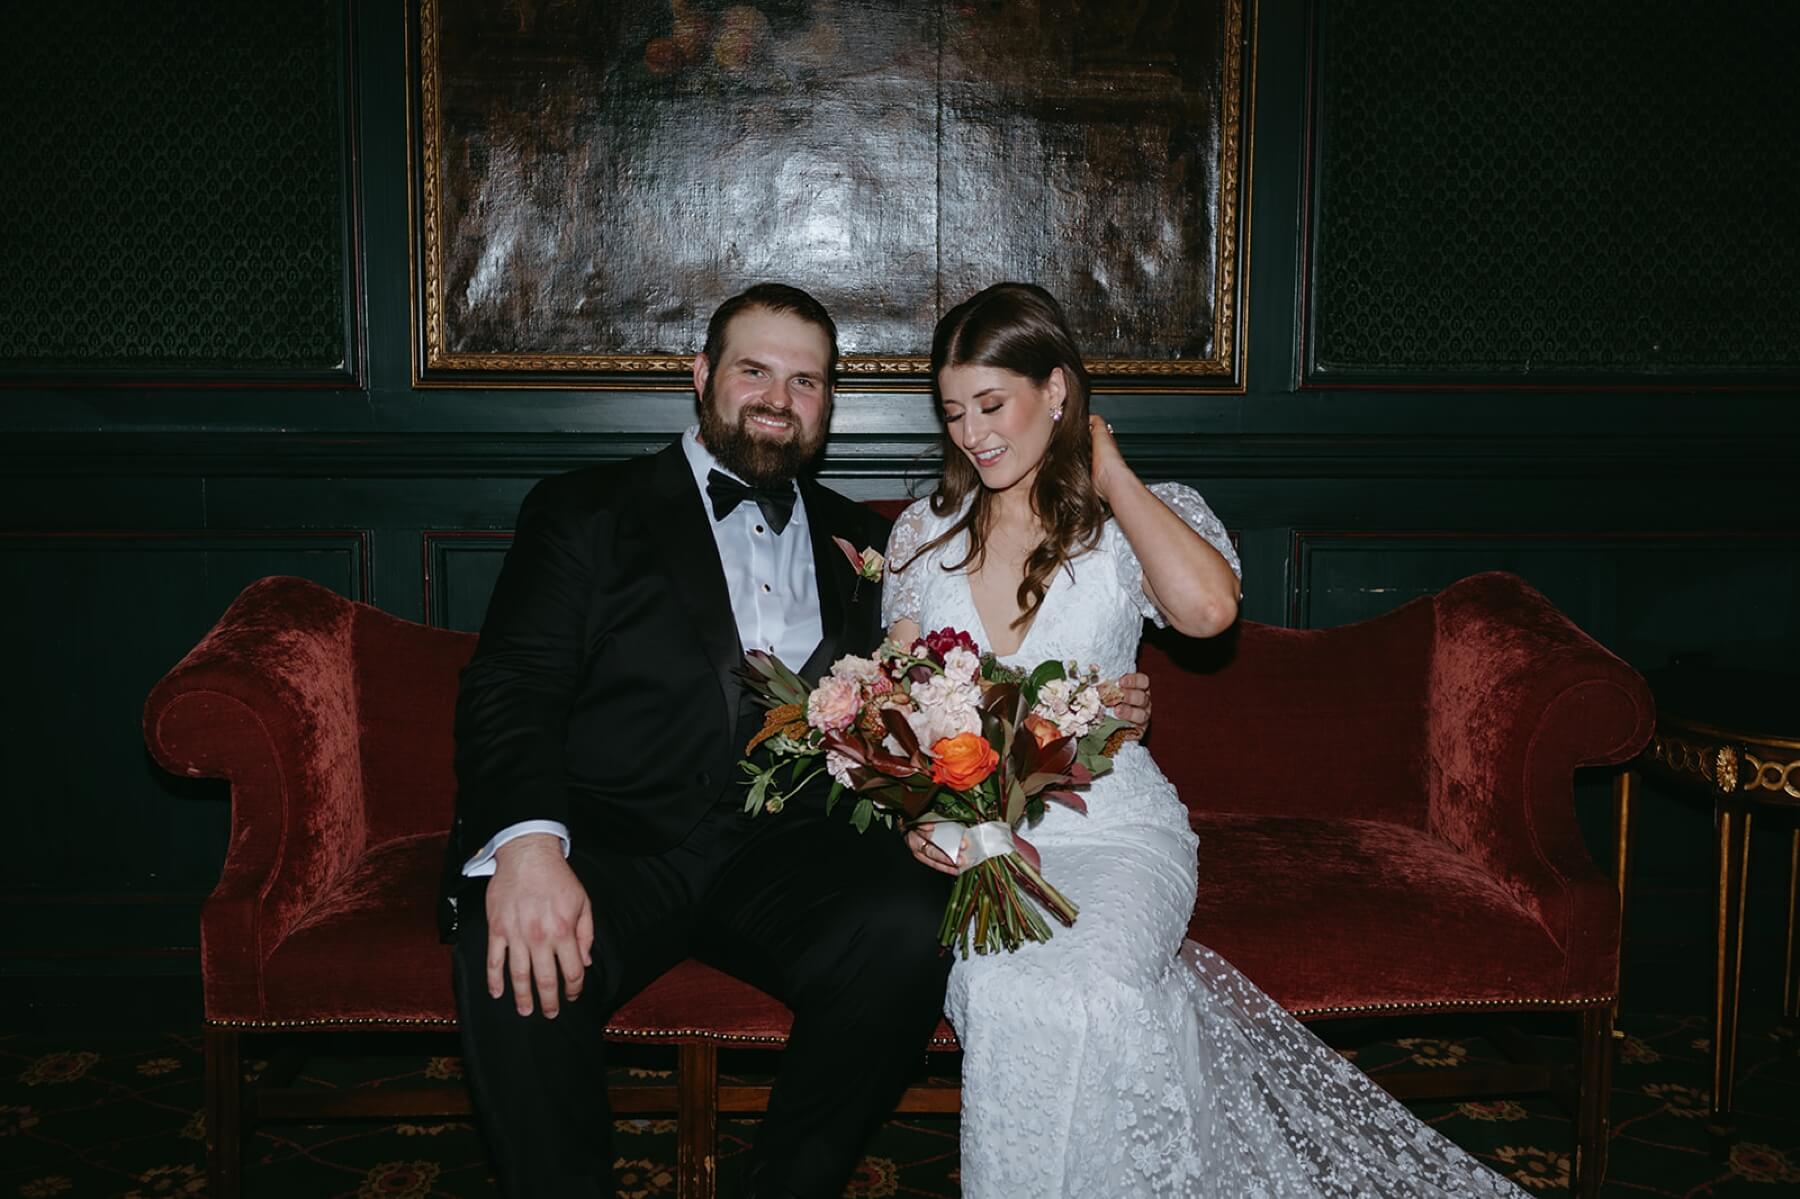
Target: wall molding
1210 455
359 543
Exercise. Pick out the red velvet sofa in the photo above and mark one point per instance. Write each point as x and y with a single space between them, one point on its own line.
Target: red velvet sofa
1384 810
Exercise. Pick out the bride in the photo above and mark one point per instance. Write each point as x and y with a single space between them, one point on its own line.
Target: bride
1116 1059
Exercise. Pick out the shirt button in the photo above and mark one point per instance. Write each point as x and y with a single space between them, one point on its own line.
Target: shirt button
765 586
759 528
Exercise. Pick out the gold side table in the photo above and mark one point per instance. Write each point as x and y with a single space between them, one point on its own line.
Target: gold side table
1733 736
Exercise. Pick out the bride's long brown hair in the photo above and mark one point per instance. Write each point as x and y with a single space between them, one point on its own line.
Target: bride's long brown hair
1019 327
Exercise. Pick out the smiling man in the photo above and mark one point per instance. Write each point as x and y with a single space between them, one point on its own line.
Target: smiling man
600 836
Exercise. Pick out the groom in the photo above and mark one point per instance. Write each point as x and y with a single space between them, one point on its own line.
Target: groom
600 836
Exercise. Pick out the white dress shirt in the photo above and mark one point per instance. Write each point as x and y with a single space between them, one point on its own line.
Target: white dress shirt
774 599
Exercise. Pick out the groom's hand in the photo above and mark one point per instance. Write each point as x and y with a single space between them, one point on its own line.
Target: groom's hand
540 924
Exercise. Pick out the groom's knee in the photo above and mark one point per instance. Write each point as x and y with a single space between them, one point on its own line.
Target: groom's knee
894 945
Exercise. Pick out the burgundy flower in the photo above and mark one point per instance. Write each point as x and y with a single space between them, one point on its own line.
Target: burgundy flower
941 642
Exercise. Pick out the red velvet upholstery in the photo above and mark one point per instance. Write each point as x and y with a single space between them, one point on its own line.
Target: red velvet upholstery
1384 808
1384 811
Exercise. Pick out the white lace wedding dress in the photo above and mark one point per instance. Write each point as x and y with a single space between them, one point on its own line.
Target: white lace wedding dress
1118 1059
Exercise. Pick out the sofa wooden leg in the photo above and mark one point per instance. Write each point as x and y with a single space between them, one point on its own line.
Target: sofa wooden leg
1592 1120
224 1113
697 1127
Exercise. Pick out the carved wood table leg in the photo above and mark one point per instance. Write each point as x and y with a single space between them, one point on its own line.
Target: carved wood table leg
1733 823
1790 986
1625 790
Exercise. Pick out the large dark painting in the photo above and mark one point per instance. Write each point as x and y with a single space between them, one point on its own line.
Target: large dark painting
594 176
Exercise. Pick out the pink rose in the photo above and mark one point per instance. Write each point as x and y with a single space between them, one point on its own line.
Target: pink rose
833 705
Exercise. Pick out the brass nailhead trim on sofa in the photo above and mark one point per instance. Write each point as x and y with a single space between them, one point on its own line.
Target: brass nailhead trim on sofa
672 1034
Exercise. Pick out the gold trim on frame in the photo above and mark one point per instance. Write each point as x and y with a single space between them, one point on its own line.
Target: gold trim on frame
435 363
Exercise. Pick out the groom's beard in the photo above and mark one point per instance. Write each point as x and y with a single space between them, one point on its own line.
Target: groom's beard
754 457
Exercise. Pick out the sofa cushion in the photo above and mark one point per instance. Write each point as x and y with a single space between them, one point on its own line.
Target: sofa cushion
379 925
1338 915
369 949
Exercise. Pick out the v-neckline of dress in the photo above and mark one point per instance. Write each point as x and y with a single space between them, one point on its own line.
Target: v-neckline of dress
980 623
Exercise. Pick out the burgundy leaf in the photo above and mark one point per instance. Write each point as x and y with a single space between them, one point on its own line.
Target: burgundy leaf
1000 702
902 731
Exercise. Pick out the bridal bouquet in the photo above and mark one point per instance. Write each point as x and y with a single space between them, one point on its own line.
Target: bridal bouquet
939 735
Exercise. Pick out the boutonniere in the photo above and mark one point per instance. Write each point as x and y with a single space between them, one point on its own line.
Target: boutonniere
867 563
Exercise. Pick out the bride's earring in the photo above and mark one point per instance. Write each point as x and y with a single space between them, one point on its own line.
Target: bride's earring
1055 415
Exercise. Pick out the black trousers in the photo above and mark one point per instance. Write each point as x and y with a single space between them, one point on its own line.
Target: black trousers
840 926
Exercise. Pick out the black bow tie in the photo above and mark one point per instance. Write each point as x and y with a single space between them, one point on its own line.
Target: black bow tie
777 503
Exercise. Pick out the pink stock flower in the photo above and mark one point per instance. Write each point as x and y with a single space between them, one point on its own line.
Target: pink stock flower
962 665
866 671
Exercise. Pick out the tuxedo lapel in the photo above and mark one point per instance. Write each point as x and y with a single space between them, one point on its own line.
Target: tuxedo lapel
682 530
835 580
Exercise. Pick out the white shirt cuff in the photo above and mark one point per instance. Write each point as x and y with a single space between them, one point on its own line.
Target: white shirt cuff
482 864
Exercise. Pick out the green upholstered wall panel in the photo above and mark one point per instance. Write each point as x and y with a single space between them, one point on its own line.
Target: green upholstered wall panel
175 187
1539 190
99 619
462 567
1734 597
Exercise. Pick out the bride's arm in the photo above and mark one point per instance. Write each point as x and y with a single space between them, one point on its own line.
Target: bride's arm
904 631
1184 576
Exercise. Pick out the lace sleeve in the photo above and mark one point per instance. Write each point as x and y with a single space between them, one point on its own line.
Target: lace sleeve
1186 503
900 589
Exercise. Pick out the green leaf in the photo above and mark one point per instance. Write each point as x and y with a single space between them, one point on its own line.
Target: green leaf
862 814
831 796
1015 801
1099 735
1047 671
759 789
1095 763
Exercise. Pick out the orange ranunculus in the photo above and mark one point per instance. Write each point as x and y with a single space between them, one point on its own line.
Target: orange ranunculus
1042 731
962 761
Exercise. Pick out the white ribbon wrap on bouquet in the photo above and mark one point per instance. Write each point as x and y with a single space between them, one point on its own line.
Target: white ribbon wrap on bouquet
969 846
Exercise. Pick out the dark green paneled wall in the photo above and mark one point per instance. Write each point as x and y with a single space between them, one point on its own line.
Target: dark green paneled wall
1662 517
182 188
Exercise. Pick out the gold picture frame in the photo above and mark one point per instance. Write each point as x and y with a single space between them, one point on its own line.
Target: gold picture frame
589 180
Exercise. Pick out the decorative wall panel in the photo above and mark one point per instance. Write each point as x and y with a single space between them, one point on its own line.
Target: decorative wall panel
1539 191
1644 596
594 179
461 568
100 618
177 190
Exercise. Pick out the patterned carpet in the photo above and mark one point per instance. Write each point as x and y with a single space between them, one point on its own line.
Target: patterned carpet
88 1117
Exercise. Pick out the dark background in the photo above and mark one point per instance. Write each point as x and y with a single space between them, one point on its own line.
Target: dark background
1518 290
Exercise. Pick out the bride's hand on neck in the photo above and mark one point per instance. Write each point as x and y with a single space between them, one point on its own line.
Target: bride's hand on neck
1110 471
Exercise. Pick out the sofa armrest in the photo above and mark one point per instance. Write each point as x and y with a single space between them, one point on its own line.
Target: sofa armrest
1519 698
267 701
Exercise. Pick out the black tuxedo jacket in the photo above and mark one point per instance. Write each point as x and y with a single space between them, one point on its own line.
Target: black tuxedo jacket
604 692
